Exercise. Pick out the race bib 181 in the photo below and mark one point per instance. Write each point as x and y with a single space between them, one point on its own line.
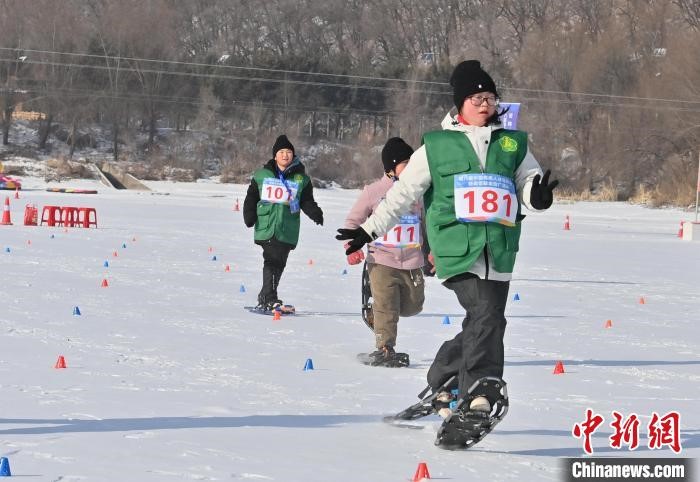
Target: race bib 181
485 198
406 234
274 191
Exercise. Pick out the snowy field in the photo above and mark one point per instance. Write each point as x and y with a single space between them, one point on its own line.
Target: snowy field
168 378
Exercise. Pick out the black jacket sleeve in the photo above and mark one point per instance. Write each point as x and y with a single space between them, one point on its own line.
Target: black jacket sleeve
309 206
250 204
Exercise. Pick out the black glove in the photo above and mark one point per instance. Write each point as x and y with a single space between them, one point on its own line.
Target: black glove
358 238
541 193
319 219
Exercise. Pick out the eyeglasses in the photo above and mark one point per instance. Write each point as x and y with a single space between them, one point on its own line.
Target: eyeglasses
477 100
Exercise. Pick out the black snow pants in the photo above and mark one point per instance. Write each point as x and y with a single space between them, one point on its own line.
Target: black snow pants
275 254
477 351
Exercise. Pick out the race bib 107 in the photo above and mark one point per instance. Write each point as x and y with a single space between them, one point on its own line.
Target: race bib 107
274 191
485 198
406 234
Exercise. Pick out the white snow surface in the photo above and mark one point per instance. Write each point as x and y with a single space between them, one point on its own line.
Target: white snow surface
169 378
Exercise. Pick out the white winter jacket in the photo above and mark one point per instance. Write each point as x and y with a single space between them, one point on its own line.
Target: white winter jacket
415 181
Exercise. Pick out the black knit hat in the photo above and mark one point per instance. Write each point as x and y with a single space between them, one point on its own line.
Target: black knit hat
282 143
469 78
395 152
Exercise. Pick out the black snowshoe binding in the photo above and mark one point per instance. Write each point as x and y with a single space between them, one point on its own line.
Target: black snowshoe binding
427 405
384 357
269 308
367 315
465 427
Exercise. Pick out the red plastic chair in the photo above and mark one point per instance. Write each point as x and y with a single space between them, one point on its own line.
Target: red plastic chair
69 216
51 215
87 217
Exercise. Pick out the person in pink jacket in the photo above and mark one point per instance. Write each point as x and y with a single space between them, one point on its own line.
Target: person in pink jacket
395 261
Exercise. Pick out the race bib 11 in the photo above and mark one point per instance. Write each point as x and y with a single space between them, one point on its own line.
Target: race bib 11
485 198
406 234
274 191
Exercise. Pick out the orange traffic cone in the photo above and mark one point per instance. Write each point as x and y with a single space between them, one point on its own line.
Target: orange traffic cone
61 362
6 212
236 207
115 254
104 284
421 472
680 230
277 316
227 268
558 368
311 261
642 301
567 224
608 324
16 192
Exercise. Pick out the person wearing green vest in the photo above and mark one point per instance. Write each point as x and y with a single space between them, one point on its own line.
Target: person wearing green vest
276 194
474 177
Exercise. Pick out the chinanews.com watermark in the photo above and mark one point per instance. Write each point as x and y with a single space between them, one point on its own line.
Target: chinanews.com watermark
661 432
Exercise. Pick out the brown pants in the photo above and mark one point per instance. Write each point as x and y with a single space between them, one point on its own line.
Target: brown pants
395 292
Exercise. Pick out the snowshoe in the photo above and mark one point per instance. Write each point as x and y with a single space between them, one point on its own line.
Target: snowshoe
367 314
426 406
384 357
465 427
271 308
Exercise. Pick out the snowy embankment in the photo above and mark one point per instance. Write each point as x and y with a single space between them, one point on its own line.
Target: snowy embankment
168 378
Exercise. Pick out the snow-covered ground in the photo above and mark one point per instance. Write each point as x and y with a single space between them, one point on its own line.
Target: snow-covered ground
169 378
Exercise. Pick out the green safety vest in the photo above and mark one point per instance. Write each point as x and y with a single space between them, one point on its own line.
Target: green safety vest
457 245
276 219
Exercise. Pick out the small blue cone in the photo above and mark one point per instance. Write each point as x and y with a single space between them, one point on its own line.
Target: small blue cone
516 297
5 467
242 289
309 365
76 311
345 271
106 264
52 236
124 245
213 258
446 320
7 250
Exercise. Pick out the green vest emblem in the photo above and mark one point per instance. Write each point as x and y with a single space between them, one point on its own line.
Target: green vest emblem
508 144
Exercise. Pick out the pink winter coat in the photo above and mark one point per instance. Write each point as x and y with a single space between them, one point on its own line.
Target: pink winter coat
400 258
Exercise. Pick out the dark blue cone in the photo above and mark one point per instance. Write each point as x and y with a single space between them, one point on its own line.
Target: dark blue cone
345 271
213 258
7 250
309 365
106 264
516 297
124 245
446 320
76 311
242 289
5 467
52 236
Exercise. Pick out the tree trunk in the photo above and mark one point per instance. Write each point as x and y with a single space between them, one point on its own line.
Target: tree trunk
44 130
7 115
72 140
115 141
152 127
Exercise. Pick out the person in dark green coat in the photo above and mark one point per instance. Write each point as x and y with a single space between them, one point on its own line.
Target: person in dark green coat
276 194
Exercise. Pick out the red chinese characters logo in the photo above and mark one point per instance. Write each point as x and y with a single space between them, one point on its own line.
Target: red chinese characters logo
587 428
661 431
665 431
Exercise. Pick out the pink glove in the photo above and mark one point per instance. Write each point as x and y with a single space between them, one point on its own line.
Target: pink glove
355 258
